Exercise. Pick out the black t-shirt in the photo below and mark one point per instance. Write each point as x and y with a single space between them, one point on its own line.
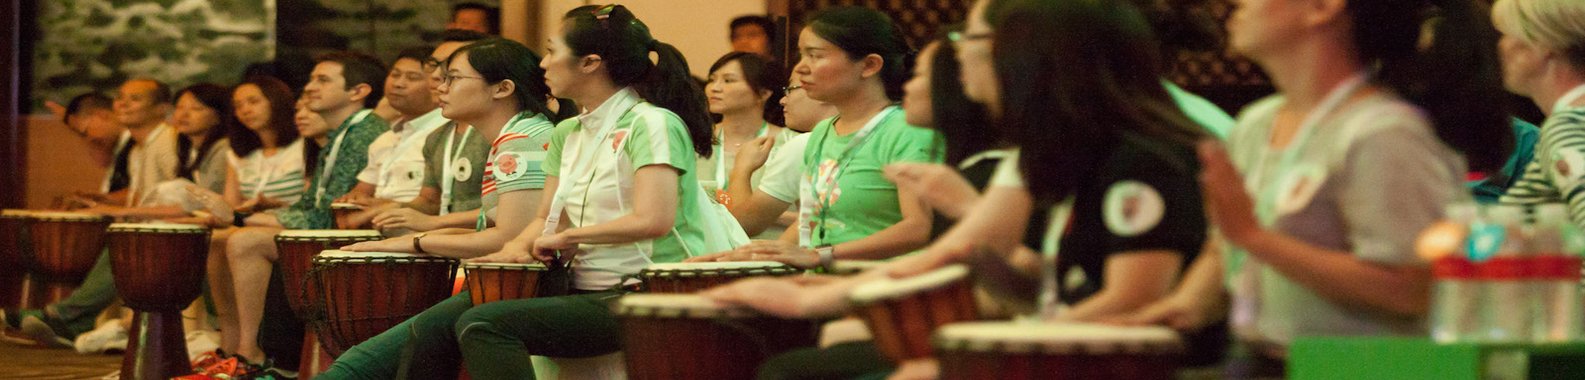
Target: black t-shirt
1144 197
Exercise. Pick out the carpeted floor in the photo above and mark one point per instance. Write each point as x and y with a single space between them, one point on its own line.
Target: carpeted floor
33 362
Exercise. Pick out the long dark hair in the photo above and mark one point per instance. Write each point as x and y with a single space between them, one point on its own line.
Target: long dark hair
761 75
1457 80
963 123
218 100
623 44
499 59
243 140
862 31
1076 78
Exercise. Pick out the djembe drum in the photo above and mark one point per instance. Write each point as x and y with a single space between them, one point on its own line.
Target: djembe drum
1017 350
683 336
490 282
694 277
159 270
297 249
363 294
13 276
343 212
902 313
60 249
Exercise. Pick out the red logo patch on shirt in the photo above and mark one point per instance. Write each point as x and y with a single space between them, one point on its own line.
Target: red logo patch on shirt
616 139
506 164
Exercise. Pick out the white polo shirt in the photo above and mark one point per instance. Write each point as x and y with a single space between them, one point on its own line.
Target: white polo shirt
396 158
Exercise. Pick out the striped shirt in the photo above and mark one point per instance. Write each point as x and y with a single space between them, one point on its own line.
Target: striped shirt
1556 173
278 177
514 159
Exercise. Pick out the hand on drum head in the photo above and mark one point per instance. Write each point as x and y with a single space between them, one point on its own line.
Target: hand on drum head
917 369
767 250
1178 313
396 244
941 187
770 295
545 247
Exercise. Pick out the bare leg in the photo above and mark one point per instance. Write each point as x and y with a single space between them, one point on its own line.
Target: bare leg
221 290
250 251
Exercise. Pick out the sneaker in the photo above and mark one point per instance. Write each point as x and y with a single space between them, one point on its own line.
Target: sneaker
224 368
13 316
107 337
47 330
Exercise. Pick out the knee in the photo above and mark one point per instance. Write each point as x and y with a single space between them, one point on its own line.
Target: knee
471 323
250 243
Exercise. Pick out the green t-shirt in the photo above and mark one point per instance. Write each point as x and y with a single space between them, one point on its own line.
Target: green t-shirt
601 189
862 201
468 154
312 212
516 159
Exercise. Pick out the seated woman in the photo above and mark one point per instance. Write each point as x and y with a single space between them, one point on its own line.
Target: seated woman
1123 143
856 60
770 203
744 89
493 86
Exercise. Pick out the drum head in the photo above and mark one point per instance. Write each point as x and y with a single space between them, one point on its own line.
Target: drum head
63 216
345 206
340 255
317 235
769 267
505 266
169 228
886 289
676 306
1057 338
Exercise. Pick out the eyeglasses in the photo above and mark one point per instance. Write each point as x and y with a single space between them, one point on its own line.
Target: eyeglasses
787 91
958 37
447 78
430 64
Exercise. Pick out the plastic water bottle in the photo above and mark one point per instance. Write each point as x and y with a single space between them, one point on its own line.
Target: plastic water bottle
1555 240
1505 275
1455 302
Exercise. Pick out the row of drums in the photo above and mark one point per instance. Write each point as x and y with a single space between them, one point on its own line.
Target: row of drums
669 332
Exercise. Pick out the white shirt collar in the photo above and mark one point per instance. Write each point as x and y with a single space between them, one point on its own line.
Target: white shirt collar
422 123
611 110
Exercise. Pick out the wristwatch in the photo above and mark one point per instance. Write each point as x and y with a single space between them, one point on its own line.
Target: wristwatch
419 248
827 255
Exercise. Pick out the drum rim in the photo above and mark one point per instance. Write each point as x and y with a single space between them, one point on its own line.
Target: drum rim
310 235
888 289
155 228
66 216
15 213
345 206
743 268
504 266
1148 340
336 254
676 306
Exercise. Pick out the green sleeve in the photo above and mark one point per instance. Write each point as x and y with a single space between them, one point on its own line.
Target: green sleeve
558 140
658 137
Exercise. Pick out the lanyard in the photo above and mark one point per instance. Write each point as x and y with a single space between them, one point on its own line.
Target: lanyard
810 197
720 158
1246 273
134 166
335 150
447 180
584 163
1568 99
1050 246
